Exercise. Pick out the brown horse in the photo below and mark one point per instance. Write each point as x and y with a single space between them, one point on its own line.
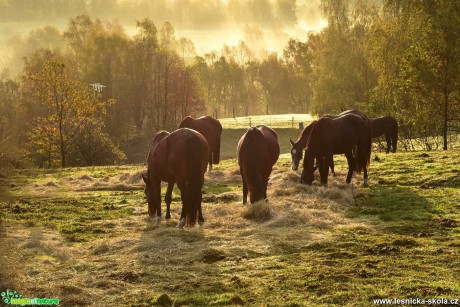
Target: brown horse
180 156
301 143
258 151
387 126
211 129
339 135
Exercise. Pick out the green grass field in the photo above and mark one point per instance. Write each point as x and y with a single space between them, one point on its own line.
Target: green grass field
83 235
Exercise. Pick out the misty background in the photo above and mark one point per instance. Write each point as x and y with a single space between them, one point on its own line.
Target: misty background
264 25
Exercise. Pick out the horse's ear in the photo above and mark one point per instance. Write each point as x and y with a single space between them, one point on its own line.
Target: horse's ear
146 180
292 143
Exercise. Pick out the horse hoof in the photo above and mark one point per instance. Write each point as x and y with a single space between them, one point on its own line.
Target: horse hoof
158 220
366 183
201 223
181 223
168 217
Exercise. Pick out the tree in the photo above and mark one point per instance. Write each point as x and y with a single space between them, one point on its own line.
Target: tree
69 106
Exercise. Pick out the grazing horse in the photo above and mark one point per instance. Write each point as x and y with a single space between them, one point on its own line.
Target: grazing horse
301 143
211 129
258 151
387 126
298 146
339 135
178 157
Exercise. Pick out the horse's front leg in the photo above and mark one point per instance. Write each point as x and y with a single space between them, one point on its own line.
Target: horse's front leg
168 199
351 165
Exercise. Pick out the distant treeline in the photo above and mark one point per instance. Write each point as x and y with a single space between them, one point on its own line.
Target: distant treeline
401 59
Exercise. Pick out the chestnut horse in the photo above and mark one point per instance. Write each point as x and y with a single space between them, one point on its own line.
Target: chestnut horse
178 157
211 129
387 126
301 143
258 151
339 135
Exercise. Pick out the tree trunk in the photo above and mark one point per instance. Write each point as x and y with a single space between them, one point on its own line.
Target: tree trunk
445 119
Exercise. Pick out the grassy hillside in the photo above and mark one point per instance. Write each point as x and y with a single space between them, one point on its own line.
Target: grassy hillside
83 235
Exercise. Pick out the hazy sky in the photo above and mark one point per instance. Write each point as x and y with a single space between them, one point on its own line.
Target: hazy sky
212 33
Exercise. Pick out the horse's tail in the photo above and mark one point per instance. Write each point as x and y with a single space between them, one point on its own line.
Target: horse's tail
195 180
364 148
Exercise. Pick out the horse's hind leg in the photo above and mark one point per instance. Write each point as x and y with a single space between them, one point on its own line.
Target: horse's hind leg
366 183
351 165
200 215
156 201
183 196
168 199
394 141
210 162
332 166
388 139
245 191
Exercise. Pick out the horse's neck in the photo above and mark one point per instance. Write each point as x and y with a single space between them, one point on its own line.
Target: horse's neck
302 142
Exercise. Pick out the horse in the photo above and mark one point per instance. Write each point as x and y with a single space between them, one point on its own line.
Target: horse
387 126
258 150
211 129
179 157
338 135
298 146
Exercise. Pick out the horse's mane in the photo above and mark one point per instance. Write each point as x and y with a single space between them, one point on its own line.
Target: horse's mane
159 136
304 131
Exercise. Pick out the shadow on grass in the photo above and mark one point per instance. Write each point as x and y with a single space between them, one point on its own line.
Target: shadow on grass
401 209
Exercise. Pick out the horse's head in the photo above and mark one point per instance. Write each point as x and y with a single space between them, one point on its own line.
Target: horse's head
308 168
148 190
296 154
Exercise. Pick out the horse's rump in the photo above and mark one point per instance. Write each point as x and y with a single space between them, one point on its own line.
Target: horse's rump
181 157
258 151
210 128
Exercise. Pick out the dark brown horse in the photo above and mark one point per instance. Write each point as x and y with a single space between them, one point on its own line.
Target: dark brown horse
211 129
387 126
178 157
301 143
339 135
258 151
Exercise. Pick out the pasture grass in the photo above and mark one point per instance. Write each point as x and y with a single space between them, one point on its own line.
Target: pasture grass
83 235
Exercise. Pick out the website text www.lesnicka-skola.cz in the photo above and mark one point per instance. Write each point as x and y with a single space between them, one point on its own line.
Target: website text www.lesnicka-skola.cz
416 301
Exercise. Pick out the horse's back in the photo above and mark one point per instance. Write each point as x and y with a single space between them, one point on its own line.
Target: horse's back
208 126
384 124
172 155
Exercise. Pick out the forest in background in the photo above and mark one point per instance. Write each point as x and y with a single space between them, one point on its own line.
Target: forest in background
392 57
